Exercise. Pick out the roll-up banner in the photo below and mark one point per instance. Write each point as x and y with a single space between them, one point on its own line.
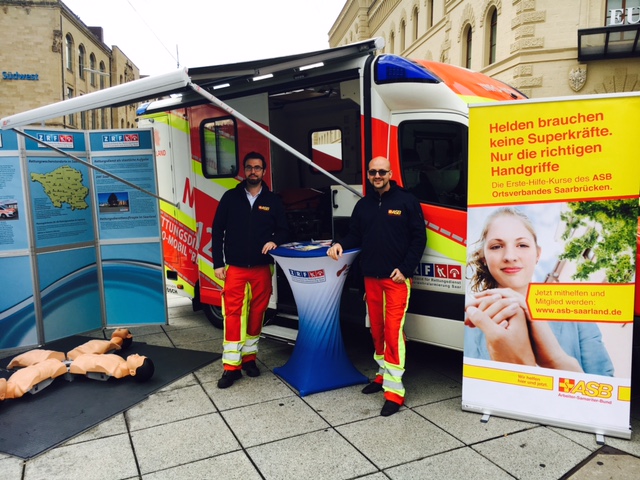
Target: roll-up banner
551 262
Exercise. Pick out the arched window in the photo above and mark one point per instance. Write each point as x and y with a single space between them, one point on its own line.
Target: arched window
429 10
82 60
467 46
492 39
403 31
92 66
103 74
392 41
68 50
414 21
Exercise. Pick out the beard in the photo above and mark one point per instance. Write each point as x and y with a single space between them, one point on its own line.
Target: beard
254 181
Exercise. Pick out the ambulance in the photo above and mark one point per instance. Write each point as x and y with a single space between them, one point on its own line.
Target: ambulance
318 118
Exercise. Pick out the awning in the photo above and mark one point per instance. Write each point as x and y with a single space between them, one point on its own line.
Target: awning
236 77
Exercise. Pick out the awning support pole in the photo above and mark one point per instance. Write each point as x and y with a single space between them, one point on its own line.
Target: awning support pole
94 167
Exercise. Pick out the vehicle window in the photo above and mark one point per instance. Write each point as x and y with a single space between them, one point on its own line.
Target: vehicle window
433 160
219 149
326 149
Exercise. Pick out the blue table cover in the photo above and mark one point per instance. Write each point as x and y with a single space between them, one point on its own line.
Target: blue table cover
319 361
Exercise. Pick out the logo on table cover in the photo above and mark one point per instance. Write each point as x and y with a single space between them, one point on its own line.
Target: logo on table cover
307 276
342 270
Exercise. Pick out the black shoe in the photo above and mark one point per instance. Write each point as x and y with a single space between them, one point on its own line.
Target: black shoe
373 387
251 368
389 408
228 377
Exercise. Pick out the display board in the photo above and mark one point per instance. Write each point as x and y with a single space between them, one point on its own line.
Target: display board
81 247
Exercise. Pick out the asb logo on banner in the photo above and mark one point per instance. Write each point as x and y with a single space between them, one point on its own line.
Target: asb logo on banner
569 388
303 276
120 140
55 140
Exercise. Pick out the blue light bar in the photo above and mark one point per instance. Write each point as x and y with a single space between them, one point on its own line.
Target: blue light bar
392 69
142 109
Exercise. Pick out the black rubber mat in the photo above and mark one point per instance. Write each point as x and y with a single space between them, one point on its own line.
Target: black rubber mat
33 424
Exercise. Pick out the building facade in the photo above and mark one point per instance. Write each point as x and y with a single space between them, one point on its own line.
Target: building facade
545 48
48 54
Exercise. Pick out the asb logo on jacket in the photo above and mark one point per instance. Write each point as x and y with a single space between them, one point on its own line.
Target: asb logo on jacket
394 213
264 208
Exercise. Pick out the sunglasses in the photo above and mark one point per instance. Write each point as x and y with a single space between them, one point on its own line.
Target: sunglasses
382 173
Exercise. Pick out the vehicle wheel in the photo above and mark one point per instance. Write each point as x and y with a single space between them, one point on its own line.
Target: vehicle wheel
2 215
214 315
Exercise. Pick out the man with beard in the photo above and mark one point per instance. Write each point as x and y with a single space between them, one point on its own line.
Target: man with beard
249 222
388 226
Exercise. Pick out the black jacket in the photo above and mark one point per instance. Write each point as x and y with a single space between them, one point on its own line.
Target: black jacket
389 230
242 231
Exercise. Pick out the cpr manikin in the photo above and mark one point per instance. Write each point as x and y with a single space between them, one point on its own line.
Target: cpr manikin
93 359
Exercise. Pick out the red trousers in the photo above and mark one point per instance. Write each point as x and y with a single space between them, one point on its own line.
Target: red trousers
387 303
245 299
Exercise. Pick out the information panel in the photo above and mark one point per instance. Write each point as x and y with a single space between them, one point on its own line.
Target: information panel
59 187
129 227
17 308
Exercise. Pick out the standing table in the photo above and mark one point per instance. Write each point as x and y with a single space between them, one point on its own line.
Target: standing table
319 360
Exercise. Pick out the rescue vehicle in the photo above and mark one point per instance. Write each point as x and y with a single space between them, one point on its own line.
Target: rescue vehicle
339 108
318 118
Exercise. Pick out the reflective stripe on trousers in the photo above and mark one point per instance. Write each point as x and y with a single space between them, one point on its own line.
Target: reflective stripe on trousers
245 298
387 303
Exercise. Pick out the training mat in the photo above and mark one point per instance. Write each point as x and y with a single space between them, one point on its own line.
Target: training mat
33 424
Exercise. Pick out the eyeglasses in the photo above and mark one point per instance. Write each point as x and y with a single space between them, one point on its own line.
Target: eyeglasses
256 168
373 173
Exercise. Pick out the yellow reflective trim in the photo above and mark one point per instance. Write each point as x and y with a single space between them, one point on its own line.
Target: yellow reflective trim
244 316
190 290
174 121
446 247
179 215
206 268
227 183
469 99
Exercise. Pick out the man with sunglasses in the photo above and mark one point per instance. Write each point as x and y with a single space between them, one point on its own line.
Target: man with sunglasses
249 222
388 226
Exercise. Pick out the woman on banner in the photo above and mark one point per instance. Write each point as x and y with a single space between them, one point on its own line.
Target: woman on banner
500 327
